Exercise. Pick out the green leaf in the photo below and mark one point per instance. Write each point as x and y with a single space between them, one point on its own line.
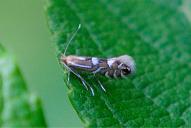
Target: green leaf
18 108
157 33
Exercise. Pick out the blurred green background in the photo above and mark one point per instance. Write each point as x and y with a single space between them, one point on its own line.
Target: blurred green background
24 33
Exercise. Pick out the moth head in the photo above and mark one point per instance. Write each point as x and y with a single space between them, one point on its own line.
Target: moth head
127 64
68 59
63 59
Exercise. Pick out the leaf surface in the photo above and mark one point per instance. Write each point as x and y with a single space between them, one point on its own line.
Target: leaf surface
157 33
18 107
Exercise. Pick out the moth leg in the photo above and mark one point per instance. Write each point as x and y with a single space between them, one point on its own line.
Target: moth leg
85 84
92 91
68 78
100 84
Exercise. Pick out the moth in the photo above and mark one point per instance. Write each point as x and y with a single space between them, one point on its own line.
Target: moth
115 67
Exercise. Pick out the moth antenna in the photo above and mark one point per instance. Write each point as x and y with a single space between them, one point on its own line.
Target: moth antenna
72 37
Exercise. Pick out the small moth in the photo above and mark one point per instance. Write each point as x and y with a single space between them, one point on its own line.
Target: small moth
112 67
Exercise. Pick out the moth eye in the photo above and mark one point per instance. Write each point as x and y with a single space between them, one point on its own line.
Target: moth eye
126 71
